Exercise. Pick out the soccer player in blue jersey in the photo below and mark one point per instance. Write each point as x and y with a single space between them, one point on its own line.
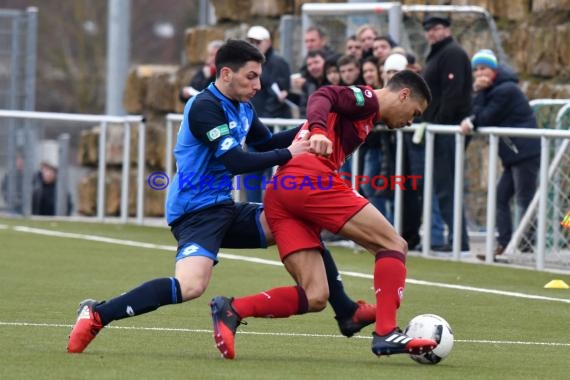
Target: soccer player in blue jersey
202 215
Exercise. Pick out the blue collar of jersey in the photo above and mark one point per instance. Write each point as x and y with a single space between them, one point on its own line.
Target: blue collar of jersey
224 99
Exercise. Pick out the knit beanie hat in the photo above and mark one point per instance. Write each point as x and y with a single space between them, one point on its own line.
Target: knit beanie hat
396 62
484 57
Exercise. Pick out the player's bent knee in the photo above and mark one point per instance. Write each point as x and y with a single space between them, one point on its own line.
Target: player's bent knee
396 243
318 303
403 244
190 291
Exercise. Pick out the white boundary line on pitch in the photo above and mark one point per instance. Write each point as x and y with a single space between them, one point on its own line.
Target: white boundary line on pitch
301 335
132 243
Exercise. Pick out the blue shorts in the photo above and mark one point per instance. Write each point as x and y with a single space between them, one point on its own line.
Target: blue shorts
204 232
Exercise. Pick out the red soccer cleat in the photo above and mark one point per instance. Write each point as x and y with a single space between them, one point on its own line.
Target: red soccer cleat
225 321
87 326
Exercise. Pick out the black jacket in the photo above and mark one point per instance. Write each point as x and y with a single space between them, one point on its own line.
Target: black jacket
448 74
504 105
275 70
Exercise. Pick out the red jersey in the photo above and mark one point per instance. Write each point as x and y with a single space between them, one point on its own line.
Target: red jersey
346 115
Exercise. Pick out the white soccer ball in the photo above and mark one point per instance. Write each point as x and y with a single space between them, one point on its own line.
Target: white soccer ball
434 327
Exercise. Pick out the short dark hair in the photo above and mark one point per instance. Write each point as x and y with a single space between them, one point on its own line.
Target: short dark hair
371 59
348 59
235 54
411 80
388 38
316 53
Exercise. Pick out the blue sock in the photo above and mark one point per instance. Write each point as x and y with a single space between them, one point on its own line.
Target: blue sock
342 305
147 297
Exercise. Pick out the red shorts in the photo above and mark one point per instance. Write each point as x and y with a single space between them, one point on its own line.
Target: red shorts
298 206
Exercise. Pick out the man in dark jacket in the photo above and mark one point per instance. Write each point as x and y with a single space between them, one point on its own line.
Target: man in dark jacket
499 102
275 77
448 73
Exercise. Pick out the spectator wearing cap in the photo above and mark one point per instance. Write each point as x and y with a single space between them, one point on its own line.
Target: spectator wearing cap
393 63
499 102
271 100
275 77
447 72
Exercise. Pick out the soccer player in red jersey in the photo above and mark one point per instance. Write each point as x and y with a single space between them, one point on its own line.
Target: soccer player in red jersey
315 197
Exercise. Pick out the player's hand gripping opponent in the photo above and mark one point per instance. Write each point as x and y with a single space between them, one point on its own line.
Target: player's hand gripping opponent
298 147
320 145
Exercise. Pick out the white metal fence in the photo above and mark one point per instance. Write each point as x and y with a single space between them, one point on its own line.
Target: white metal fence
103 121
560 138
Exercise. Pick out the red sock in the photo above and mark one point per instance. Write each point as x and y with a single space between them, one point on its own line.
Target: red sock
389 281
274 303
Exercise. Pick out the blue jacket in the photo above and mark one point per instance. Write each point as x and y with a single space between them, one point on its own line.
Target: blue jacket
504 105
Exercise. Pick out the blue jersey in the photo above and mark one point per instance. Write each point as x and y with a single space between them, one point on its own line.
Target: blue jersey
212 126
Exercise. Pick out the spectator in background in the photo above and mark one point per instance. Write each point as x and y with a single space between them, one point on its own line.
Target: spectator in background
314 77
349 69
413 164
331 72
44 191
382 47
499 102
270 101
366 34
315 39
14 201
275 77
448 73
203 77
353 47
371 73
413 63
371 150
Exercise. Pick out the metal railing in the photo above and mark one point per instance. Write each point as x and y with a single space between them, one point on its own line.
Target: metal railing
104 120
493 134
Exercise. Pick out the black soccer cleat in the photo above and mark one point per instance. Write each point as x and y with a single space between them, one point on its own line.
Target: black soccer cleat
364 315
397 342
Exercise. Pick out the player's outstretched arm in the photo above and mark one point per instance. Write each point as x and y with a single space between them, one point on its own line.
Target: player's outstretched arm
238 161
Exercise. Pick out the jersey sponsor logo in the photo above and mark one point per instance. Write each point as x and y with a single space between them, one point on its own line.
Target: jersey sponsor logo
368 93
227 143
232 124
358 95
217 132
